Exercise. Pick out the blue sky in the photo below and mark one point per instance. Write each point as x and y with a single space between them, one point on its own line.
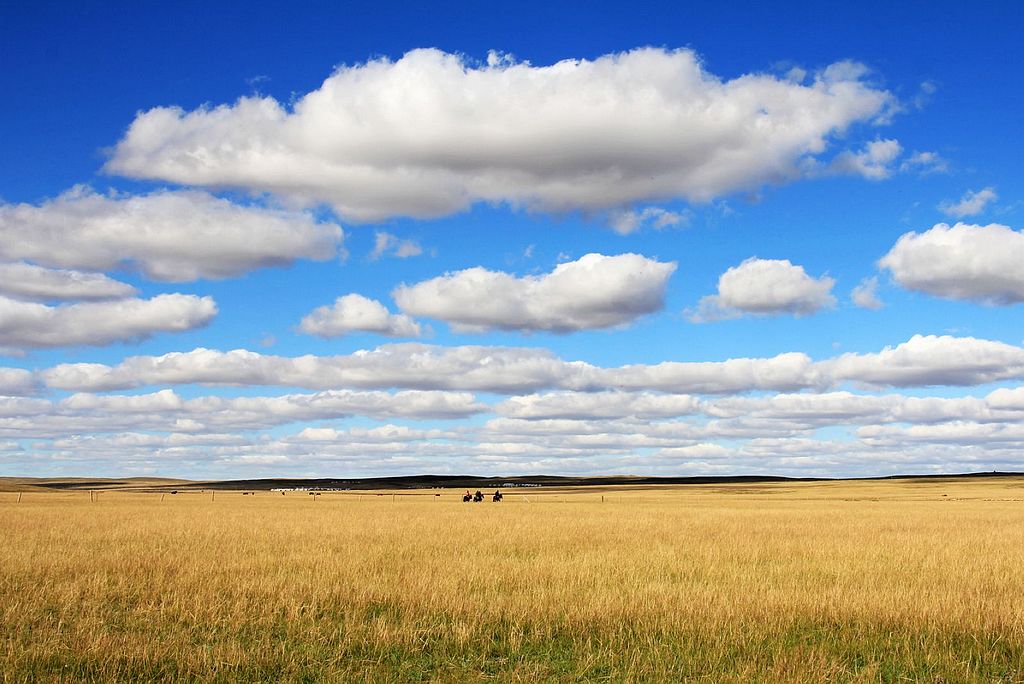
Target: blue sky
376 238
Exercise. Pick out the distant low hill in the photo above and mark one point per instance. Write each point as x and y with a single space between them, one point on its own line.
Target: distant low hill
15 484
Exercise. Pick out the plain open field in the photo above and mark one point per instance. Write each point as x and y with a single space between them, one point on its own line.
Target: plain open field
839 581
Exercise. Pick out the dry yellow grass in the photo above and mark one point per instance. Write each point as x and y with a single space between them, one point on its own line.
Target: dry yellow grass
874 581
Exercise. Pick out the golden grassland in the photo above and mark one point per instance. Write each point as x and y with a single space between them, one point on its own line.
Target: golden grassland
840 581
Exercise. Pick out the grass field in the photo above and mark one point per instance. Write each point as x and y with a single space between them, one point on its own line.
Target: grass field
844 581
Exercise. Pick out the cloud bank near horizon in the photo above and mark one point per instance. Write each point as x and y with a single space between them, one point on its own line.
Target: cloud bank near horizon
921 361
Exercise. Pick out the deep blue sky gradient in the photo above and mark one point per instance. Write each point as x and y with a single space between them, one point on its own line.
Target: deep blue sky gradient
74 75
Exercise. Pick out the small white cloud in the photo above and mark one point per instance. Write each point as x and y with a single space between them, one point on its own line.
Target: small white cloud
25 325
597 405
595 291
925 163
385 434
980 263
626 221
695 451
874 162
924 94
35 283
16 382
765 287
796 74
971 204
386 244
865 294
356 313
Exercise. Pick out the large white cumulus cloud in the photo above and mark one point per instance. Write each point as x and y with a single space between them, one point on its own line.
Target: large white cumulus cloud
430 134
168 236
931 360
29 325
981 263
595 291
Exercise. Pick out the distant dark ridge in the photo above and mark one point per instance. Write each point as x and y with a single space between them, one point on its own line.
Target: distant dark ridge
933 476
470 482
101 482
453 481
79 484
